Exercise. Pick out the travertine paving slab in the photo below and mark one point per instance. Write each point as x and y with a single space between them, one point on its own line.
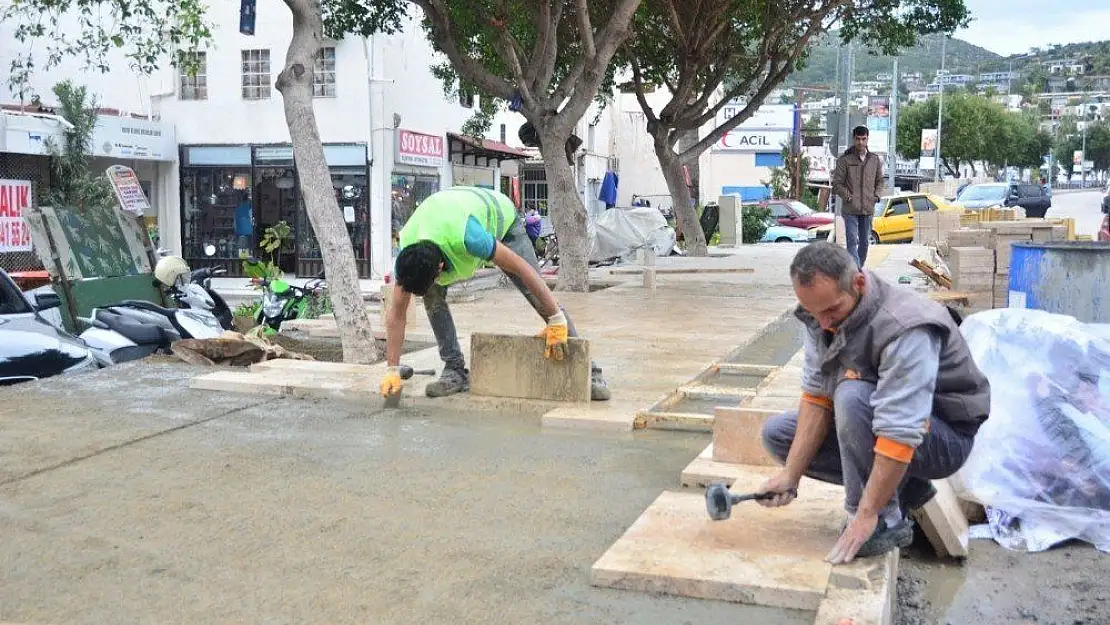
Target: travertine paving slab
769 557
507 365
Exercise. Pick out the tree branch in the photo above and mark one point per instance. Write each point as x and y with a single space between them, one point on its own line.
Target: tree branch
585 29
611 36
550 53
466 66
638 82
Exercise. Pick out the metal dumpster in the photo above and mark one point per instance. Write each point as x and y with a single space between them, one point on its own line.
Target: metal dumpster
1064 277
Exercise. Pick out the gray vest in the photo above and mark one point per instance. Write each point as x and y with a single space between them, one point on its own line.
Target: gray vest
962 396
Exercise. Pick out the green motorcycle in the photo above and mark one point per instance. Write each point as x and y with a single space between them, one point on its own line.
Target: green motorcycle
282 301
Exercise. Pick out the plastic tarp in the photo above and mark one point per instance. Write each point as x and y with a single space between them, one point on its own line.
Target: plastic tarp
1041 462
619 232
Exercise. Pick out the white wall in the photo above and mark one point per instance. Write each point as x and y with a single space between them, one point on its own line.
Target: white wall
120 88
225 117
640 171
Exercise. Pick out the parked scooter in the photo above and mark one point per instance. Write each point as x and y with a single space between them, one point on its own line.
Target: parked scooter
134 329
192 289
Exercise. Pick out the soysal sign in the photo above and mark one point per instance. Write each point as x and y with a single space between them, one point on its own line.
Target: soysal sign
417 148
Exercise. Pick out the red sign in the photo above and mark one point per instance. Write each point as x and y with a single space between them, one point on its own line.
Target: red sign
15 196
417 148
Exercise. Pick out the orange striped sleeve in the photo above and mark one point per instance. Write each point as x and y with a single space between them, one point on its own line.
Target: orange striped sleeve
819 400
894 450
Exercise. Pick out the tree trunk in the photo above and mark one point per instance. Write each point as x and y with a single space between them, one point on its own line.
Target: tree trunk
568 212
684 210
295 84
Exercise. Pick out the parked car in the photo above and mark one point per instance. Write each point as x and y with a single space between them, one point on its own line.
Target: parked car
894 214
793 213
786 234
1106 200
1032 197
30 346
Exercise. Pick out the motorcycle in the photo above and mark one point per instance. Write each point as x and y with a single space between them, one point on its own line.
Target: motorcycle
282 301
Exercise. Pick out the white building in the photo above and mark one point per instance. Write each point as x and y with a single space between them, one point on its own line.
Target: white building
390 139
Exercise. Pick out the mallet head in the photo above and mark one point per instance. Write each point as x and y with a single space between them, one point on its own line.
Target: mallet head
718 501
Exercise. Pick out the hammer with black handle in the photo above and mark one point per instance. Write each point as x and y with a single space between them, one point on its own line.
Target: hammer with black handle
406 372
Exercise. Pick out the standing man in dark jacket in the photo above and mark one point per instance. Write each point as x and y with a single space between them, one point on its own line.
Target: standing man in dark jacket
858 181
891 399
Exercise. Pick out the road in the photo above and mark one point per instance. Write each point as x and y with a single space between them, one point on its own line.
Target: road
1084 206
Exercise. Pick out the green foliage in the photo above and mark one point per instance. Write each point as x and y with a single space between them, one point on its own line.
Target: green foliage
72 182
247 309
145 32
923 56
273 238
975 129
753 222
1070 139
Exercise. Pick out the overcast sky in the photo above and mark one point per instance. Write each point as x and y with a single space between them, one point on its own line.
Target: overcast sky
1013 26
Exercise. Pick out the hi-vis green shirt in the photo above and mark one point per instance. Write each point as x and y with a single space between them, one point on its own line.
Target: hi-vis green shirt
464 222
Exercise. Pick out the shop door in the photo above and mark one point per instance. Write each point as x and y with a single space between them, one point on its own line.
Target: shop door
276 198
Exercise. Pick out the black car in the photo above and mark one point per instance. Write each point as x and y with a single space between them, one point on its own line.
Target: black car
30 346
1032 197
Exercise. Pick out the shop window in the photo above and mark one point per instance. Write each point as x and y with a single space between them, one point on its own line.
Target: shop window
217 210
352 196
195 86
409 190
256 74
323 73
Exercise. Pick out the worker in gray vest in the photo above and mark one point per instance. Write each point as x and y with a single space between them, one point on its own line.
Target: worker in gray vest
891 399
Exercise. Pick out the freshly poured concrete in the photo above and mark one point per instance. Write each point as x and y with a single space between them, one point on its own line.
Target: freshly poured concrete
127 498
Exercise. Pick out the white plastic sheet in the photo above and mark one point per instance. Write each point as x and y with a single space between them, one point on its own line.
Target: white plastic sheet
619 232
1041 463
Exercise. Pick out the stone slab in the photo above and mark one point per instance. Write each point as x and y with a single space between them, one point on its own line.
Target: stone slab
737 436
679 270
760 556
944 522
608 416
873 604
507 365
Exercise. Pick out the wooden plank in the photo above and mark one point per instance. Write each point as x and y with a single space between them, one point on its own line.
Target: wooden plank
679 270
933 274
689 421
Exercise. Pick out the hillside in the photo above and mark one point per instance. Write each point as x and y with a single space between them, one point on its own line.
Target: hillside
961 57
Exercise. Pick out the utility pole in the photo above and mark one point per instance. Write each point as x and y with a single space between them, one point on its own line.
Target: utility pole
845 105
943 79
892 129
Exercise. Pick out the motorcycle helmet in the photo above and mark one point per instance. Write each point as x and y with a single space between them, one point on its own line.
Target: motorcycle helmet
170 269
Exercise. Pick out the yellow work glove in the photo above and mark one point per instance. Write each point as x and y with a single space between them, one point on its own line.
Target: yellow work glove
391 383
556 336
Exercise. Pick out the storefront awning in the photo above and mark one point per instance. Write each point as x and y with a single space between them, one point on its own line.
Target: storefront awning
473 150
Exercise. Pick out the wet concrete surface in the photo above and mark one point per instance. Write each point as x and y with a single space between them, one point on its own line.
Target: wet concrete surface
994 586
127 497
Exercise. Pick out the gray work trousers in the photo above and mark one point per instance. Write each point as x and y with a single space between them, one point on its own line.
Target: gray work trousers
439 313
847 453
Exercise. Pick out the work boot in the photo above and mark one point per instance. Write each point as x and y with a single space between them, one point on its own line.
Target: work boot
451 381
916 493
885 539
599 388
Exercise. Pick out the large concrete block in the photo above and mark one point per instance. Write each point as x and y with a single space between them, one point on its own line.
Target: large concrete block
505 365
737 436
